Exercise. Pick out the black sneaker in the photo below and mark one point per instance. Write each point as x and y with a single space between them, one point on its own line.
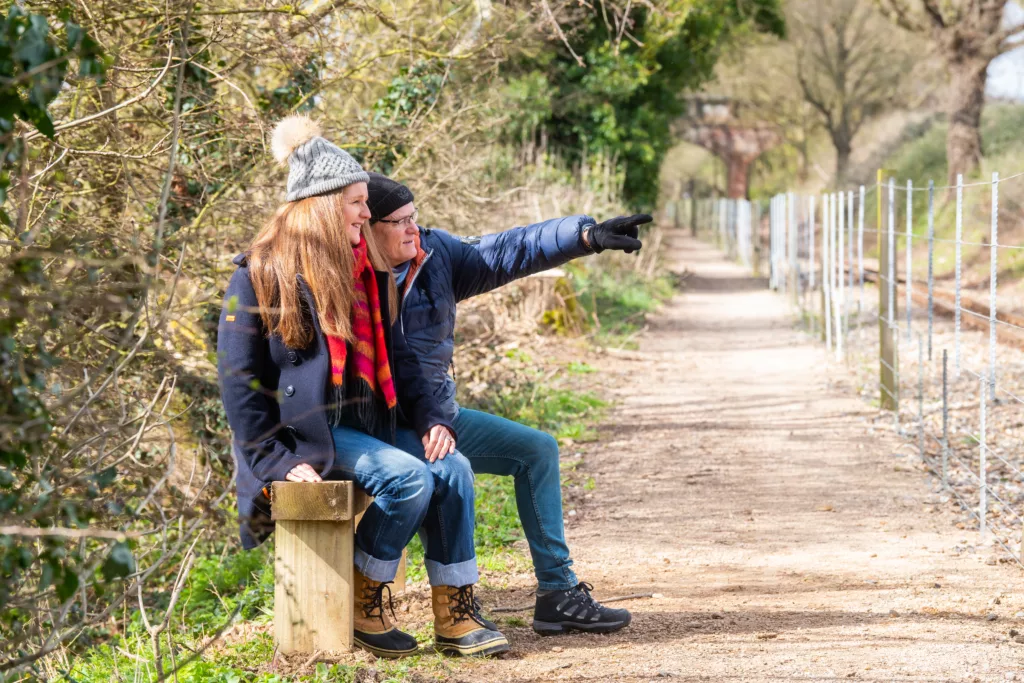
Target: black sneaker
575 609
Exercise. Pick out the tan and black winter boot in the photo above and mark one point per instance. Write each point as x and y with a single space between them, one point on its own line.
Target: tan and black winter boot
458 627
374 632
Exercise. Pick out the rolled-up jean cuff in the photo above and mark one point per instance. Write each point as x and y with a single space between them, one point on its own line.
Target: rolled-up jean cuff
558 585
458 574
374 569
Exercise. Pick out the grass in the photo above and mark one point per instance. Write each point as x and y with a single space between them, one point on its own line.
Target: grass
924 159
616 302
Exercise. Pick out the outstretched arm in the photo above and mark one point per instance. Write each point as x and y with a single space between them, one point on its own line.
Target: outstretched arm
505 256
502 257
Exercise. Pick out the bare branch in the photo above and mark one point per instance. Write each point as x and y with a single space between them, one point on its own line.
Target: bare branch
935 13
561 35
1009 39
899 13
60 127
67 532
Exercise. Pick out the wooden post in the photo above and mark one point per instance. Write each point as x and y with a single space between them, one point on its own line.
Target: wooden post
888 398
313 550
313 564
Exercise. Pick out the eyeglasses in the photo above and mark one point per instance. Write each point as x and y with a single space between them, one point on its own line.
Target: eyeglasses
408 221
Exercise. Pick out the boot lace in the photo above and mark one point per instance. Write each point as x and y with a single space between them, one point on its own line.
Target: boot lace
584 589
464 605
373 602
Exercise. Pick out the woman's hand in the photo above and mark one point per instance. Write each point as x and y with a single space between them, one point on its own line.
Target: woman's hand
438 443
303 472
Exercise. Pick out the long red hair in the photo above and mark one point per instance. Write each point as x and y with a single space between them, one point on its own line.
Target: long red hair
308 237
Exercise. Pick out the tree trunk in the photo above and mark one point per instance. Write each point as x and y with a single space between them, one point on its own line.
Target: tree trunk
967 97
803 169
843 148
739 176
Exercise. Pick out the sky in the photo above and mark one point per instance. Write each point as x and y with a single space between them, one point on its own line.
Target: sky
1006 73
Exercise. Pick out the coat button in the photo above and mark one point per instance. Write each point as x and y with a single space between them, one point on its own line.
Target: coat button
293 358
289 390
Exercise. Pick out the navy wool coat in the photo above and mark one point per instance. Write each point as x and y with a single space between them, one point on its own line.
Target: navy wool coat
459 268
276 398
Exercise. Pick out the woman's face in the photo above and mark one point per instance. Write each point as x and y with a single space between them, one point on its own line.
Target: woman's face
354 210
396 235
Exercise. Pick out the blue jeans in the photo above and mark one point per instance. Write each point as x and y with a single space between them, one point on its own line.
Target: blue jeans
494 445
409 492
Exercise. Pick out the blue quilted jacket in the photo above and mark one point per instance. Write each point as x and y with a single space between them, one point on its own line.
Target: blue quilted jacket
458 268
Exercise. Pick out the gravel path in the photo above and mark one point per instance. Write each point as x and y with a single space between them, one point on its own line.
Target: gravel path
741 484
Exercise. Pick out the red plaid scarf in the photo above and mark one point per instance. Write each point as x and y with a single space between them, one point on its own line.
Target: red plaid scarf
369 350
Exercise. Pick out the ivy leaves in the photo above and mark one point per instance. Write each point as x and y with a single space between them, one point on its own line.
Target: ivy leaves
34 63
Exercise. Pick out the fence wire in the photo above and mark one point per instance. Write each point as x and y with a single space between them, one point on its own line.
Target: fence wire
838 264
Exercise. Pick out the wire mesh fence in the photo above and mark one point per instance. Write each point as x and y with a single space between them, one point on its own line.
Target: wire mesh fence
948 369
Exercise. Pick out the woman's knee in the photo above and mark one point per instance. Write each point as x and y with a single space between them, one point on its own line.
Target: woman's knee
411 482
454 473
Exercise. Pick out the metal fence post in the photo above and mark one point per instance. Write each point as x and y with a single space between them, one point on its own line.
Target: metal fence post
839 229
793 278
931 263
791 242
774 242
992 319
826 267
848 299
860 259
910 239
771 240
891 265
756 237
959 239
810 242
773 273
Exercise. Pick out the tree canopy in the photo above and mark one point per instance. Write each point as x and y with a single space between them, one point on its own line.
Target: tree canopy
616 88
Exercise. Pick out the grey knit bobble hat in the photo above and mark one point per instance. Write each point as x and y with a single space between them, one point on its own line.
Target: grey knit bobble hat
315 166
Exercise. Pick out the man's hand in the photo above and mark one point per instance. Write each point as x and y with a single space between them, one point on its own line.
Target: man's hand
438 443
303 472
620 232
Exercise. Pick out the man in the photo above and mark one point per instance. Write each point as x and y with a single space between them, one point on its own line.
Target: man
434 271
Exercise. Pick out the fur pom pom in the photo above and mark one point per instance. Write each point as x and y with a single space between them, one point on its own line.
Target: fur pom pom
291 133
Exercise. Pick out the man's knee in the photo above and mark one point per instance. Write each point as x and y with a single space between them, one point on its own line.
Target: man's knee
542 451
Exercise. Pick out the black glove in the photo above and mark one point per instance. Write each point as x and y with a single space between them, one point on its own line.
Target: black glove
620 232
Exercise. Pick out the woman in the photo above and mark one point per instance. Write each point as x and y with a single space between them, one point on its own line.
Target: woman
311 384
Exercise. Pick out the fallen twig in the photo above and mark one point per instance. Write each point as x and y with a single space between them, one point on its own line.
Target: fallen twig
523 608
311 660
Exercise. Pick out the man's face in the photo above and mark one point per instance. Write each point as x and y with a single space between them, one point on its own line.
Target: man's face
396 233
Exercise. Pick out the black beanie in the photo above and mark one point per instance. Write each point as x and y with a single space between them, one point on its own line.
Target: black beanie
386 196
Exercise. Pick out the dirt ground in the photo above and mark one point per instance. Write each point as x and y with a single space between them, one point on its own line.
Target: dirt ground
741 482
